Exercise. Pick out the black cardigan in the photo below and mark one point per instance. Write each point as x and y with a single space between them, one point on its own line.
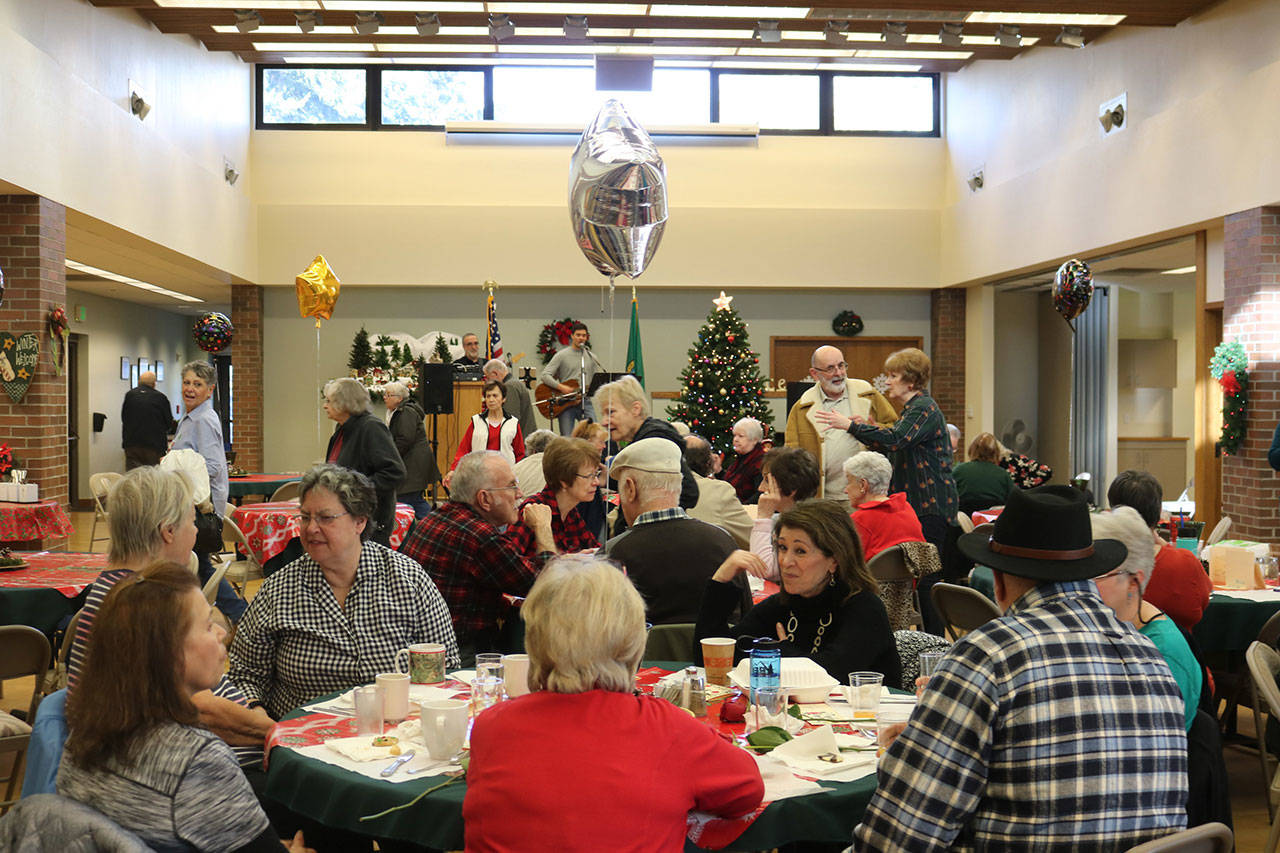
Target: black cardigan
367 447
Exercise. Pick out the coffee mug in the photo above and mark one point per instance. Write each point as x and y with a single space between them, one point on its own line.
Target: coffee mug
517 674
444 725
425 662
395 688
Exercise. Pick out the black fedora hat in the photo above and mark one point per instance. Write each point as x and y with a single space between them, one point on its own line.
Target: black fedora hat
1044 534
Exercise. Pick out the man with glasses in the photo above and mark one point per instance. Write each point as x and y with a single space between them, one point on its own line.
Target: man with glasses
833 391
464 547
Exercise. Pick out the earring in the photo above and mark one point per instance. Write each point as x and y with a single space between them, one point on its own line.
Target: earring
831 579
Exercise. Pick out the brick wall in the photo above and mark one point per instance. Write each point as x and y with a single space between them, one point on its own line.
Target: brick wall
246 359
33 257
1251 312
946 332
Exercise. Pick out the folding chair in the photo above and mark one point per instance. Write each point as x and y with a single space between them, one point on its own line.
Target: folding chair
1264 663
897 587
287 491
100 486
24 651
1207 838
962 608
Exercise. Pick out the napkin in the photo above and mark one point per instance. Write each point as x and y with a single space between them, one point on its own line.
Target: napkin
780 782
361 748
801 755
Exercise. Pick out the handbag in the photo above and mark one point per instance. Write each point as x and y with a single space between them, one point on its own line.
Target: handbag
208 533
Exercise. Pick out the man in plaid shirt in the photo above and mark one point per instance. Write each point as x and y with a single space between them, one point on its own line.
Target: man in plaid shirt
463 546
1055 726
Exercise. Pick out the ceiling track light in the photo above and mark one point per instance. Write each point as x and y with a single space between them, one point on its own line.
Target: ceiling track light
428 23
951 34
248 20
367 23
894 33
308 21
767 32
138 106
1070 37
575 26
834 33
500 27
1009 35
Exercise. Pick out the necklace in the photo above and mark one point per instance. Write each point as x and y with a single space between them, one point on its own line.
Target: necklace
823 624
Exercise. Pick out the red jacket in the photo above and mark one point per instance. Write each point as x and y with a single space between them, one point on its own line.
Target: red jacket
883 524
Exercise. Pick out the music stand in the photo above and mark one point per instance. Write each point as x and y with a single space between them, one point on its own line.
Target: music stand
602 378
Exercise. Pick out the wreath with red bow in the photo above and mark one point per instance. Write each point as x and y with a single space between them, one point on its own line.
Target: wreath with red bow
1230 366
557 331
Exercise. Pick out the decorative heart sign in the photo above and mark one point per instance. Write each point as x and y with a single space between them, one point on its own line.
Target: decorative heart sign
18 359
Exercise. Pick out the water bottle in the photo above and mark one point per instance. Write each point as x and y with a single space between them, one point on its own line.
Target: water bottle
766 665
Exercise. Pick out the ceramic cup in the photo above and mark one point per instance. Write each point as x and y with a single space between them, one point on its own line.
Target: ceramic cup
444 725
423 661
395 702
516 668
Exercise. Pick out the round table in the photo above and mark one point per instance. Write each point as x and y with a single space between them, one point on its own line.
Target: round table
268 527
257 484
33 522
51 588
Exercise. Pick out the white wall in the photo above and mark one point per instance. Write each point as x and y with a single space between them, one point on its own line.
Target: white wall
1016 378
294 432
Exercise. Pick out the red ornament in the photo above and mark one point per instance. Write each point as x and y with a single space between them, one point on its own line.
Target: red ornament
729 338
1230 385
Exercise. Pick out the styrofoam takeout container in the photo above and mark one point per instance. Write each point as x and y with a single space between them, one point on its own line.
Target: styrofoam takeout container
803 679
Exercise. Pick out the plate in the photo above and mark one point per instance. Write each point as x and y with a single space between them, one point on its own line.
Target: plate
21 565
803 679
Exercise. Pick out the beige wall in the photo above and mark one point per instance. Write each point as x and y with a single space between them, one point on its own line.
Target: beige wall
1016 379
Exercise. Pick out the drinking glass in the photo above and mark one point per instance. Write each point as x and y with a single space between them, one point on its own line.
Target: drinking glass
929 662
486 691
864 694
768 708
369 703
489 664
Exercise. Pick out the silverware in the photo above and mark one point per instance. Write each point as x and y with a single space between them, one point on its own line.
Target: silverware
395 765
329 709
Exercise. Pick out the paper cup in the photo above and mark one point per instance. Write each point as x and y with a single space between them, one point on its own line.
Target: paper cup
717 657
424 662
516 668
395 688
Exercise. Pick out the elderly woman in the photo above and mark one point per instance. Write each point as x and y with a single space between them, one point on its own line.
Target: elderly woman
981 482
201 430
409 433
882 520
829 608
363 443
583 762
745 473
492 429
136 751
624 410
335 618
571 467
1122 588
788 475
594 433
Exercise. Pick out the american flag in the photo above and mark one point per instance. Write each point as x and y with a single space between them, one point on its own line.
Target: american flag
493 341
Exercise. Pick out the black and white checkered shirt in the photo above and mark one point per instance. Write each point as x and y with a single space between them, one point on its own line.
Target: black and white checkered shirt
295 643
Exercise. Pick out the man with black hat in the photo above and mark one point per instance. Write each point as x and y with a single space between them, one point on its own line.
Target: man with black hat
1053 727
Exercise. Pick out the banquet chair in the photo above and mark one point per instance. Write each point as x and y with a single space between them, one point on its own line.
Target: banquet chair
238 570
1208 838
1219 530
962 608
672 642
1264 663
287 491
1267 636
57 677
910 644
897 587
210 588
24 651
965 522
100 486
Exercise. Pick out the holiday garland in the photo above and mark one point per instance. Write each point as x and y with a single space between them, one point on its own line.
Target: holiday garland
1230 366
847 323
556 331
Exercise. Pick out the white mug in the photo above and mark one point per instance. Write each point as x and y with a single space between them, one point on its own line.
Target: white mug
444 725
516 668
395 686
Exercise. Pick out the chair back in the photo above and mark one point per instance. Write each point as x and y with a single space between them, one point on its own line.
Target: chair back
962 608
897 587
910 644
24 651
965 522
286 491
1208 838
670 642
1219 530
211 585
100 486
53 823
1264 662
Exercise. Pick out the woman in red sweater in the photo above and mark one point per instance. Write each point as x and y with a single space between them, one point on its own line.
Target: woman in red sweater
883 520
582 763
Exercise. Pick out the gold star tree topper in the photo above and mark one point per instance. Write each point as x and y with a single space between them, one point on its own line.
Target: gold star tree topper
722 304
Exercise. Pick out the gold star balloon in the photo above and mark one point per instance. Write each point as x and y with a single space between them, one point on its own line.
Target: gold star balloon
318 288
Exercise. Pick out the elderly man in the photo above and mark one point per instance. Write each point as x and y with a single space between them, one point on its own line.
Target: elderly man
668 555
463 547
145 422
529 469
1055 726
470 351
717 503
834 391
744 472
517 404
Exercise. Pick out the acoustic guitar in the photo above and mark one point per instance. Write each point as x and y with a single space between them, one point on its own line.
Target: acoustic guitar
551 402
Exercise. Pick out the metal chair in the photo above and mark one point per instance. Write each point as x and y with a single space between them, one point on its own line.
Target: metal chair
897 588
1219 530
100 486
286 491
965 522
24 651
210 589
1264 663
962 609
57 677
237 571
1206 838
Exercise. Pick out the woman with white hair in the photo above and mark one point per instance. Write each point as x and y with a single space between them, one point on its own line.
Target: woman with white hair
624 409
883 520
582 762
363 443
744 473
1121 589
410 436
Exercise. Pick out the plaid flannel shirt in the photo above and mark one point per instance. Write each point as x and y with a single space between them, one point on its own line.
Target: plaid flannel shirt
570 533
472 563
295 643
1055 727
921 452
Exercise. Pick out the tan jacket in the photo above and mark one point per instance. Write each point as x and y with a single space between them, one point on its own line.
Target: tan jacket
804 431
718 504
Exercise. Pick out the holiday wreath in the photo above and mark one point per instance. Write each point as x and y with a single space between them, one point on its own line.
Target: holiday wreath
1230 366
847 323
557 331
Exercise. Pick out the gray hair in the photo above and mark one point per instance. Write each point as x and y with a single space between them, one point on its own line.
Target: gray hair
348 395
396 389
873 467
352 489
681 428
496 365
624 392
953 431
584 627
140 505
203 370
651 484
755 430
537 441
1125 525
473 474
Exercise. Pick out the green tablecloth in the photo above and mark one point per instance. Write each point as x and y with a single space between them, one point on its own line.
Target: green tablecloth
338 798
257 484
42 609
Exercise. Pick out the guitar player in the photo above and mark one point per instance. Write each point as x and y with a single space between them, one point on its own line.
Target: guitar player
574 364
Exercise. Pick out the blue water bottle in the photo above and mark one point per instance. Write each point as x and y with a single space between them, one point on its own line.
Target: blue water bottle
766 665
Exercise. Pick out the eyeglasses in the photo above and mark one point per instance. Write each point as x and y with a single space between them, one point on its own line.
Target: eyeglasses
515 487
1110 574
835 368
305 518
594 475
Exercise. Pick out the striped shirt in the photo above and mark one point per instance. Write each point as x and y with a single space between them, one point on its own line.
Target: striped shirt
1054 727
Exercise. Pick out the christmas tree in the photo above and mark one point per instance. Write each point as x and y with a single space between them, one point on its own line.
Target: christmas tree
406 354
442 354
381 359
722 383
361 357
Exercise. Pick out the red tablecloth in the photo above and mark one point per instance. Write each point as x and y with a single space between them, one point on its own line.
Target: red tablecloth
986 516
28 522
67 572
268 527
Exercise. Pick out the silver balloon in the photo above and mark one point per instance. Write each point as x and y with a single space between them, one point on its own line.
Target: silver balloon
617 193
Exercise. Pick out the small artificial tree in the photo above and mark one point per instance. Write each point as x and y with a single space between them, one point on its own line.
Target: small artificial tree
381 359
442 351
361 357
406 354
722 382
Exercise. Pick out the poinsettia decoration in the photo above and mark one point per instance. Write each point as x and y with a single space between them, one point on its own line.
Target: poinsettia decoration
1230 366
557 331
6 459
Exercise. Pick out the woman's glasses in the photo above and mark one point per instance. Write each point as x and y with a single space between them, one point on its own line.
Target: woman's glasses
305 518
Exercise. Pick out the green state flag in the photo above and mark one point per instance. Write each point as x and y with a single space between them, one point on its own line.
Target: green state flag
635 354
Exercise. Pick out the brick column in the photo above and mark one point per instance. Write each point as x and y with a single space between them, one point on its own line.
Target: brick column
1251 313
246 390
33 254
946 333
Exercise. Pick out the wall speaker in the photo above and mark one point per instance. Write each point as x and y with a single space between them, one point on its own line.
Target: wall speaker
435 388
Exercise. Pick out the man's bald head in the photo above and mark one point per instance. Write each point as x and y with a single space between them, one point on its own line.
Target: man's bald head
148 379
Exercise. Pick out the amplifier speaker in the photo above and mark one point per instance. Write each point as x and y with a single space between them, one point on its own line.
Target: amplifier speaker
435 388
